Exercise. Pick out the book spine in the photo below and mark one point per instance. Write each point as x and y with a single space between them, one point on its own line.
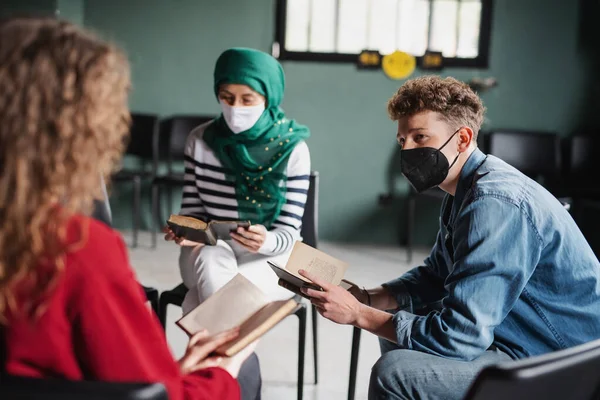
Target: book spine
291 288
232 349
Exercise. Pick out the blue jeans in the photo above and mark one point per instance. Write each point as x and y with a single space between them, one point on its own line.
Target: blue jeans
407 374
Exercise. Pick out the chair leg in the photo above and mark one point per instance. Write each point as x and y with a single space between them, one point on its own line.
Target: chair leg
155 212
301 314
410 226
154 303
315 347
169 198
137 188
159 207
354 362
162 311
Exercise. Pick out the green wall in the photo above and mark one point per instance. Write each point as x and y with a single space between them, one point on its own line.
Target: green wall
173 45
71 10
19 7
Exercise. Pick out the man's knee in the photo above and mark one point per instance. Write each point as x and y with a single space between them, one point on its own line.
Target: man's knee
391 376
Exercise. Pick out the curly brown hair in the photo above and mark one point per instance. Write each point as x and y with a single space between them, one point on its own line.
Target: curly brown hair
452 99
64 120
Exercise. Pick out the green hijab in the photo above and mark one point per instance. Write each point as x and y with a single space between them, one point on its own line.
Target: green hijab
255 160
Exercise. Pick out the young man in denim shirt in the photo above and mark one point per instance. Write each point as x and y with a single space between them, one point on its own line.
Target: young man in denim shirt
510 275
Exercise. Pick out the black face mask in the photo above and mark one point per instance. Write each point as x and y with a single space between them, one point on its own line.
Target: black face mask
425 167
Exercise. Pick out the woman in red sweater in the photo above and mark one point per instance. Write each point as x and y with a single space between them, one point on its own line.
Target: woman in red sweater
70 306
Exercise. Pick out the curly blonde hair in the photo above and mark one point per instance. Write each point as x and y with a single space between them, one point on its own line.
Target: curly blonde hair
63 126
455 101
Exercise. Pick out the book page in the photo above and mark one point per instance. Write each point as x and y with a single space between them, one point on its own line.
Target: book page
328 268
190 228
228 307
191 222
258 324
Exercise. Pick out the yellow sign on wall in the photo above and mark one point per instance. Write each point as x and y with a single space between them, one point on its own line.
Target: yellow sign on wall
369 59
398 65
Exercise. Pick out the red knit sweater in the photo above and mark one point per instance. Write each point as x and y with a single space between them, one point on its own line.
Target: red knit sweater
97 326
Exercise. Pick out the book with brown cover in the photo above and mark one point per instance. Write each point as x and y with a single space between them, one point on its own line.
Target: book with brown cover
238 303
199 231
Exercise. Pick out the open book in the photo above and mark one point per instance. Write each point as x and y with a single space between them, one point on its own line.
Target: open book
199 231
238 303
308 258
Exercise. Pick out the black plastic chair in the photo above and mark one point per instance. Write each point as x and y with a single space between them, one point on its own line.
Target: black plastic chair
18 388
144 127
536 154
169 147
309 234
582 183
570 374
102 213
410 216
582 165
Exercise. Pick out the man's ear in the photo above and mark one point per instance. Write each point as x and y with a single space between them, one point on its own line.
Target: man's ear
465 138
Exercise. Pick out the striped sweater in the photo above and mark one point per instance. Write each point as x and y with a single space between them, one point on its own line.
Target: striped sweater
209 196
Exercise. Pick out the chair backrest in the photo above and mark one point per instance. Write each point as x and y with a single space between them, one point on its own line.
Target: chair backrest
18 388
144 127
173 134
533 153
583 150
310 219
567 374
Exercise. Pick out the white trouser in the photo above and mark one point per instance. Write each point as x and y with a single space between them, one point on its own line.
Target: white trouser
205 269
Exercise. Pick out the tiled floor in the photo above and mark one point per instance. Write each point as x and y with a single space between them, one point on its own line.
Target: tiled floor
278 350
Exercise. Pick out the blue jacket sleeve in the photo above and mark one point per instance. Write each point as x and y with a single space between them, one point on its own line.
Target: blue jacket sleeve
496 249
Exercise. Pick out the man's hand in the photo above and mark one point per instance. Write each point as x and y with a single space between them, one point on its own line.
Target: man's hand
377 297
339 305
333 302
170 236
252 238
360 294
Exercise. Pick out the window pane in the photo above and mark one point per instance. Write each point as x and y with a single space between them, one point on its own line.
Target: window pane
296 25
468 33
413 25
322 26
444 26
382 25
352 26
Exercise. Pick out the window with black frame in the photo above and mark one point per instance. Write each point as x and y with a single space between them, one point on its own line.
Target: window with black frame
338 30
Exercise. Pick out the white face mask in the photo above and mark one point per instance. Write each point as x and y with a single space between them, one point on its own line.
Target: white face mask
240 119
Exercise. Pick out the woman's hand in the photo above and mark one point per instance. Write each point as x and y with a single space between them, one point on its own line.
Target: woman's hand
170 236
234 363
200 346
252 238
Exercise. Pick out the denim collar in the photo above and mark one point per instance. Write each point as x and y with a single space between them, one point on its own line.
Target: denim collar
465 181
